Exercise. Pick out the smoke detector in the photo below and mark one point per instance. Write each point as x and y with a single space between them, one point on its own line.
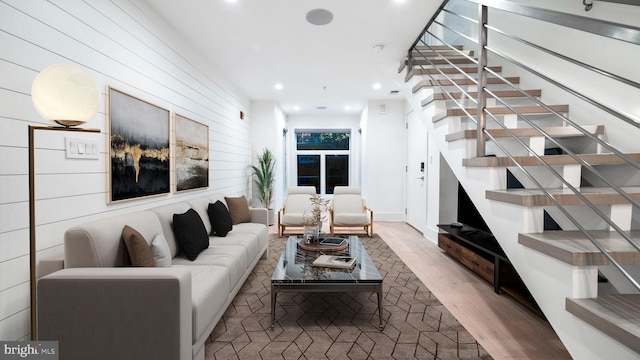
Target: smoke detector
378 48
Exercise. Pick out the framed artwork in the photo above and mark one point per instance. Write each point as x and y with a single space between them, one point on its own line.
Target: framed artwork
139 151
191 154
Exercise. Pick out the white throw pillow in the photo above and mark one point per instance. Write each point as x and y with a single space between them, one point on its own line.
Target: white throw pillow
160 250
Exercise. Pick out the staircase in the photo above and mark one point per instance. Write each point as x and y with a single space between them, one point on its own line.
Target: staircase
590 188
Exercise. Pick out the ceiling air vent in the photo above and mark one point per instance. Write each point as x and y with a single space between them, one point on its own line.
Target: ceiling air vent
394 92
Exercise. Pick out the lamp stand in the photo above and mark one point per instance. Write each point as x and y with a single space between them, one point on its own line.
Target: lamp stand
32 218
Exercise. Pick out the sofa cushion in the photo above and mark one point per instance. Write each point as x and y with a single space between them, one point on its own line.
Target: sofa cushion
190 233
239 209
137 247
99 242
165 215
160 250
254 237
210 289
231 257
201 206
220 219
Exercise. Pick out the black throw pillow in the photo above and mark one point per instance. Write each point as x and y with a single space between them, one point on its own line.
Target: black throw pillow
190 233
220 219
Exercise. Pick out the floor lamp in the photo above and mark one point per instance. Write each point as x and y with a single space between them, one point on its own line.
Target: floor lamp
69 96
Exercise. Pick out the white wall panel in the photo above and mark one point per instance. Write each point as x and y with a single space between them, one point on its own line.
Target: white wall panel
13 244
125 47
20 299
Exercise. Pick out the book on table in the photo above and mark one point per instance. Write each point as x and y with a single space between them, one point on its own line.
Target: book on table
338 262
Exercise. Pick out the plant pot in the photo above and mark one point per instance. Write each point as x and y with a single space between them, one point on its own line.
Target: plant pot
312 233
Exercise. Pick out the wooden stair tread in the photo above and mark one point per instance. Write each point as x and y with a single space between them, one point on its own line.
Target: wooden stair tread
503 110
573 247
447 70
617 315
426 52
436 60
443 82
592 159
556 132
474 94
535 197
403 63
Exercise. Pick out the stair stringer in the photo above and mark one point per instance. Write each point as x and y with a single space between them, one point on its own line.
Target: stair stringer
549 280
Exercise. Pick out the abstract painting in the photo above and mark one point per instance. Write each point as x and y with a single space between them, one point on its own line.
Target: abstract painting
139 151
192 154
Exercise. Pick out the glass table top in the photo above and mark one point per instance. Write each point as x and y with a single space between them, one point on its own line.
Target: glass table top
295 266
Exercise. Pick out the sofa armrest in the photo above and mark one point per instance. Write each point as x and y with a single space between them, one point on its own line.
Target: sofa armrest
49 266
117 313
260 216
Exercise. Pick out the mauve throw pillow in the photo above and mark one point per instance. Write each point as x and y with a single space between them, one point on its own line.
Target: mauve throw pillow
190 233
220 219
137 247
239 209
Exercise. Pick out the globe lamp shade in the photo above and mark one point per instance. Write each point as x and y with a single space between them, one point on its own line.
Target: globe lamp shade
65 94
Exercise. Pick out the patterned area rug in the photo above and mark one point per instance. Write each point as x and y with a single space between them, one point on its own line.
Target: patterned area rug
341 325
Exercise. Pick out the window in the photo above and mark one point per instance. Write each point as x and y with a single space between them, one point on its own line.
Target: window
323 158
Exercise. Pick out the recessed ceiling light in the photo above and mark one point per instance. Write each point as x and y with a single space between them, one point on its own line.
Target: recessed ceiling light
377 86
296 108
319 17
347 107
278 86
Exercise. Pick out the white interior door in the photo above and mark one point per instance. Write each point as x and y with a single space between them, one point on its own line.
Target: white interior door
417 148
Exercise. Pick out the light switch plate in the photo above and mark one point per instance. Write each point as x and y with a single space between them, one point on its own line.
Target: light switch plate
81 148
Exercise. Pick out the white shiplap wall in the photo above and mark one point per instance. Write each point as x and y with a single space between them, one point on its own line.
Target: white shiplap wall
125 46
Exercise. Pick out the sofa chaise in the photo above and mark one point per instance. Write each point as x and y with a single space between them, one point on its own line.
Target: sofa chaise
100 307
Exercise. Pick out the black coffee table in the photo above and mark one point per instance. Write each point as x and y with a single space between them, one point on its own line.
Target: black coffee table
294 273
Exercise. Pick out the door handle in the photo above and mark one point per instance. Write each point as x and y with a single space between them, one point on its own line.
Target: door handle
420 178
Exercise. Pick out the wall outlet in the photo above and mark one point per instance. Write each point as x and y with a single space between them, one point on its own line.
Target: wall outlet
81 148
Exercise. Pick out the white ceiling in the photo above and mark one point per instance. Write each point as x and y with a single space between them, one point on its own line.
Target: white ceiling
258 43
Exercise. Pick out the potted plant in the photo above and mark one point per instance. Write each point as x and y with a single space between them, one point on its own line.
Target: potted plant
263 173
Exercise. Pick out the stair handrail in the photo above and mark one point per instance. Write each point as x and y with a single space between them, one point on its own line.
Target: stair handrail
630 34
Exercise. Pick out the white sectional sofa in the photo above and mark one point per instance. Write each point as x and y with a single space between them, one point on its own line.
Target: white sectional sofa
97 307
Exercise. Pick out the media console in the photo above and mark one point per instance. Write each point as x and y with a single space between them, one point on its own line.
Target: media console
480 252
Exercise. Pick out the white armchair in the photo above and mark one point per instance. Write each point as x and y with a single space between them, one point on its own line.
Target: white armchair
349 209
297 205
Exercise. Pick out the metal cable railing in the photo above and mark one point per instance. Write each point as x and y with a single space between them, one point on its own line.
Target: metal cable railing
628 34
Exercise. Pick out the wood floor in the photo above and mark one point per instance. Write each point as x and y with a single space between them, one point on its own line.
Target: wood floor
506 329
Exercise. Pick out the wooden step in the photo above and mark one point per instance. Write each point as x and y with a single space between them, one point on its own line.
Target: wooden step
474 94
465 81
573 247
435 61
592 159
503 110
443 48
617 315
555 132
447 70
426 52
535 197
439 47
